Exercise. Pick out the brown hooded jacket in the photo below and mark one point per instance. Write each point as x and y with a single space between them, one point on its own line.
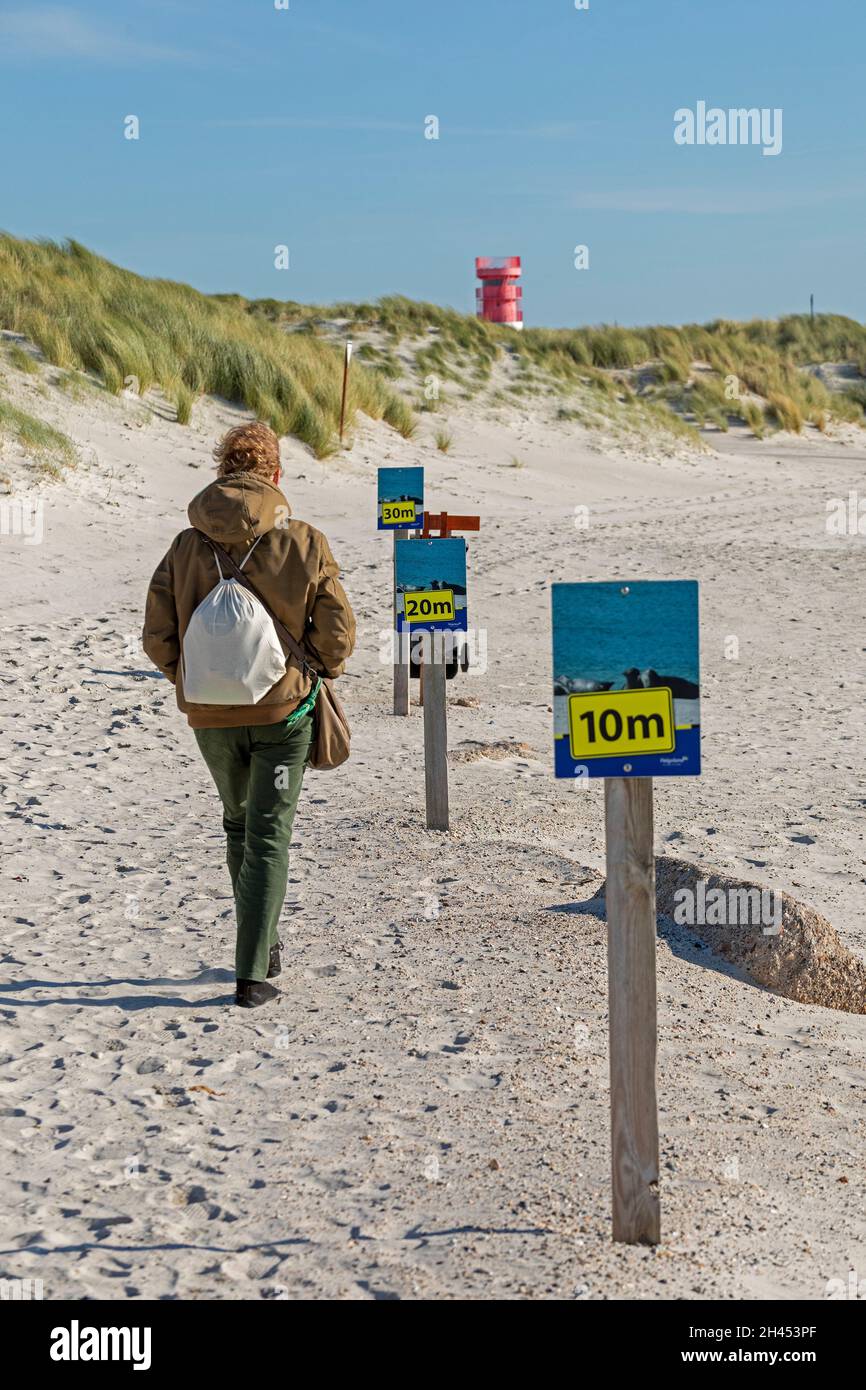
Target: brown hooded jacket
293 569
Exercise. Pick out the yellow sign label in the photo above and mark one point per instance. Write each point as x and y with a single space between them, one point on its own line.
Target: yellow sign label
609 723
429 605
398 513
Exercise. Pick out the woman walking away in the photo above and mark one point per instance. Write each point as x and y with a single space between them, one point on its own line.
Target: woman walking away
250 711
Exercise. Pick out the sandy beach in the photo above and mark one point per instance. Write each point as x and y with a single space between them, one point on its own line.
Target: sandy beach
424 1114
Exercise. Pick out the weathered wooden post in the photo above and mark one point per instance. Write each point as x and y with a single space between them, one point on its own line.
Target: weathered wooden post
435 732
430 584
400 509
446 526
631 965
401 645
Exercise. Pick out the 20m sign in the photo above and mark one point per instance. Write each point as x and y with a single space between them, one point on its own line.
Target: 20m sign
615 722
426 604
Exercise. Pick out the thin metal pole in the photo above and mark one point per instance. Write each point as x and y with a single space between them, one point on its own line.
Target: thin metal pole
346 362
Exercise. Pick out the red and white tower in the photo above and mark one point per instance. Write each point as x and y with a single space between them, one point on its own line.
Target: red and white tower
499 298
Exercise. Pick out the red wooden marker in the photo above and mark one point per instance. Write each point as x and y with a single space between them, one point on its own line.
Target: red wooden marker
446 525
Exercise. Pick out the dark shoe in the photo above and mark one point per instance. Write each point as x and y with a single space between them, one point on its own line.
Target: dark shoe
251 994
275 965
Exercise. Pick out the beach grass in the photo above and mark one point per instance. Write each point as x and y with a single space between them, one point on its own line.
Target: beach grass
737 362
52 449
283 359
84 313
21 359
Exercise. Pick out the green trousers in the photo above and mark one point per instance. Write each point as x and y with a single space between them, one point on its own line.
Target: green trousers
258 770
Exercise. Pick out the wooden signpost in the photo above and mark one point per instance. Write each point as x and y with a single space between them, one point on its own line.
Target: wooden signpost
429 578
446 526
436 735
401 644
430 604
648 726
400 509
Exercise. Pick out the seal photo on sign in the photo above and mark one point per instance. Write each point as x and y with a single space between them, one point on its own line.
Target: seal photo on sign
575 685
680 689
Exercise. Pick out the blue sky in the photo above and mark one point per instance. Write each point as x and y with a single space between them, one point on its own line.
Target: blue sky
305 127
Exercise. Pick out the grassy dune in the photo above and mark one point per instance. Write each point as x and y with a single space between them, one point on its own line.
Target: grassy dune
753 372
281 360
85 313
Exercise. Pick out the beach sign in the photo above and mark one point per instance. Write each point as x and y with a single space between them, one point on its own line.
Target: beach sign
429 605
626 707
401 499
430 585
626 679
400 510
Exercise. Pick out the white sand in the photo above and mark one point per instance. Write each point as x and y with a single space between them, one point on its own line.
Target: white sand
424 1114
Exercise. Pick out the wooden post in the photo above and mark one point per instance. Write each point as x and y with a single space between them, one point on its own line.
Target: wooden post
631 964
346 362
401 646
435 734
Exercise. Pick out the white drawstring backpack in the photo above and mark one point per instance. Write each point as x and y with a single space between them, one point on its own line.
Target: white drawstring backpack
231 652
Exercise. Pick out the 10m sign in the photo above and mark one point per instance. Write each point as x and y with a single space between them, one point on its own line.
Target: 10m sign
606 723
